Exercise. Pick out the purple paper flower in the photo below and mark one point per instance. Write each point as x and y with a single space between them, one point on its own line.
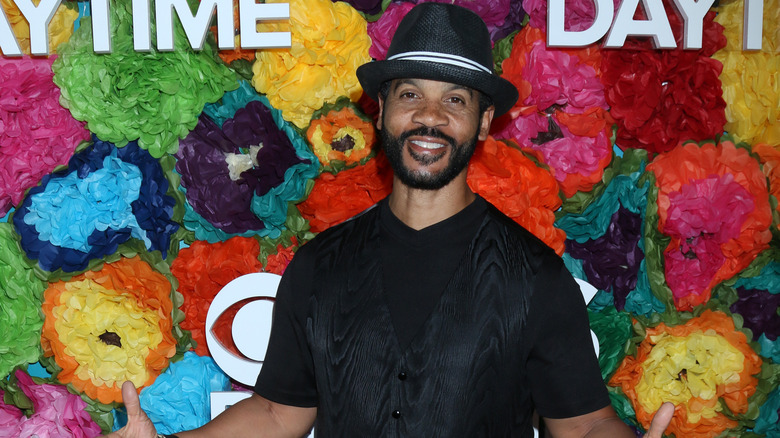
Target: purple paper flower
368 7
612 261
759 310
222 169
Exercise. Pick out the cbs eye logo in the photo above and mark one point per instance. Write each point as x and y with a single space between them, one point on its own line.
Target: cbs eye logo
251 325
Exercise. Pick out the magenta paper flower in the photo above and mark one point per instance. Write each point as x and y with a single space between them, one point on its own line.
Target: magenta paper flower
382 30
713 203
561 112
36 133
57 413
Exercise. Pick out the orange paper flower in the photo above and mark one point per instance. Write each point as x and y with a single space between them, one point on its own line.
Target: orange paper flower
341 136
518 187
697 366
770 159
336 198
104 327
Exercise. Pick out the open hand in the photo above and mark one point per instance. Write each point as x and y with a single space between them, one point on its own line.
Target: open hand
661 419
138 424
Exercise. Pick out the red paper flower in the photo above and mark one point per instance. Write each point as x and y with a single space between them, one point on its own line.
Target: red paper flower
662 97
517 186
714 204
336 198
203 270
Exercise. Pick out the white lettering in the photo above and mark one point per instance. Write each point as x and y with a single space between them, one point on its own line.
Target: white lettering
8 43
142 34
656 26
194 27
557 36
101 26
753 25
39 18
250 12
693 13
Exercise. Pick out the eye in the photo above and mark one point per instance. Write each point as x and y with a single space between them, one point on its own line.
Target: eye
456 100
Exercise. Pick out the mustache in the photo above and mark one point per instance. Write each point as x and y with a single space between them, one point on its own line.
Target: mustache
426 132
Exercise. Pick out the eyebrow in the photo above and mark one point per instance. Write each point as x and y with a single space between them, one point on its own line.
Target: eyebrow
451 86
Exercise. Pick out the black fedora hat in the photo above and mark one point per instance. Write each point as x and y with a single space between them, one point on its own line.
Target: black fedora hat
442 42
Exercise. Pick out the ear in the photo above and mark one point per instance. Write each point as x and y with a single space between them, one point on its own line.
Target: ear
485 121
381 110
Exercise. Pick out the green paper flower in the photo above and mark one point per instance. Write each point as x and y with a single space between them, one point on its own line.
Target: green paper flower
154 97
21 294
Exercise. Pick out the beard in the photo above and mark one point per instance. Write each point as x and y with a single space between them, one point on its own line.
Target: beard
459 157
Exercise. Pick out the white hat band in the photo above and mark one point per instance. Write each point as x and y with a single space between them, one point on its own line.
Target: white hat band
441 58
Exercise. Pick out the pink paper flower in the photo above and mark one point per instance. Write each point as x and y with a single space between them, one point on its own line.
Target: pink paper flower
36 133
579 14
382 30
561 112
10 415
57 412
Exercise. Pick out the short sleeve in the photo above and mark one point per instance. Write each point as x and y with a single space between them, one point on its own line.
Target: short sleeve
562 368
287 375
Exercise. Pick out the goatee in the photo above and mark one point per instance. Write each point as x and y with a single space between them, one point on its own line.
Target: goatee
460 154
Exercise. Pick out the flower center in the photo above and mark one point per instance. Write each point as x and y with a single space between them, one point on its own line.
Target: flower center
241 162
111 338
343 144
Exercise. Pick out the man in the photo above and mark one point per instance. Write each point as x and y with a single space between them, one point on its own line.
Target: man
432 314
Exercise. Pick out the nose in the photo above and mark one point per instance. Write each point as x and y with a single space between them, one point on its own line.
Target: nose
429 114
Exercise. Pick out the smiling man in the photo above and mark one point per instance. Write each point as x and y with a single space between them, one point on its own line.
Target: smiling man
431 314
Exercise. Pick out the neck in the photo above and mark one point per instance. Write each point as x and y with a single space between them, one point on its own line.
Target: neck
419 209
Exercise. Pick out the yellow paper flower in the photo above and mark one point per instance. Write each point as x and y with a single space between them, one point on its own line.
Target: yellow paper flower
329 42
751 86
701 366
105 327
60 27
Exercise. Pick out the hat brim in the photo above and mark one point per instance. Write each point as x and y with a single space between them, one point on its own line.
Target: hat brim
502 92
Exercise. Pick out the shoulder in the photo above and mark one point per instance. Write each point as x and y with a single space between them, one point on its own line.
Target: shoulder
507 228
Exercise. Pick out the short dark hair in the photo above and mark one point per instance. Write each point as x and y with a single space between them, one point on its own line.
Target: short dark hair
484 100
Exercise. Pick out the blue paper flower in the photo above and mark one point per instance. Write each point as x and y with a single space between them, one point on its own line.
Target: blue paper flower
104 198
179 399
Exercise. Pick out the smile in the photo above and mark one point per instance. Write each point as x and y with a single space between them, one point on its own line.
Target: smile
427 144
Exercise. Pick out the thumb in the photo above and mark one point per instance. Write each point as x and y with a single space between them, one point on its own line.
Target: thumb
131 401
661 419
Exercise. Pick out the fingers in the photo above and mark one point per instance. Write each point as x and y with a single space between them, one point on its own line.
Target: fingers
661 419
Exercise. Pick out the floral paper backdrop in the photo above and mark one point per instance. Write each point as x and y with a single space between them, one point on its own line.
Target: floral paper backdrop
134 186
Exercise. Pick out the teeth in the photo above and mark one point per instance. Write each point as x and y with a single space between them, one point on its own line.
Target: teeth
427 145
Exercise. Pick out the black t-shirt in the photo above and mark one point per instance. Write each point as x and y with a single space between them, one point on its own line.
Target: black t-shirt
563 364
419 263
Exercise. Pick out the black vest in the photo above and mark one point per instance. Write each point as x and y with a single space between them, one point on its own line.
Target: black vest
462 376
